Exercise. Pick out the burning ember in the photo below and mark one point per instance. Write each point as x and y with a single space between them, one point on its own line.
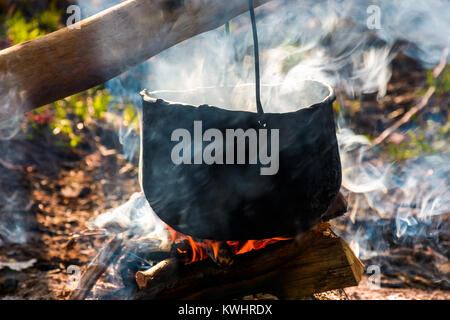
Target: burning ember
200 250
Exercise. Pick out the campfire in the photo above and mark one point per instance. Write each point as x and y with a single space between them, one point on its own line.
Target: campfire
187 268
194 251
315 262
240 170
289 269
264 234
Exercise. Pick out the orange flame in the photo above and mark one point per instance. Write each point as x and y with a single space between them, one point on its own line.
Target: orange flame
199 250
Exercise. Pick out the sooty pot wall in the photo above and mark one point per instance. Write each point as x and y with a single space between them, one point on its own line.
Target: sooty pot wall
236 201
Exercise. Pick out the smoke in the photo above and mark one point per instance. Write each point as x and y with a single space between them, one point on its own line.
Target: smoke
413 194
14 189
135 217
329 41
321 40
9 100
13 196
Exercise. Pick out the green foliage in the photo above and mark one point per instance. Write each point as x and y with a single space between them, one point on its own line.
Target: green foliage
418 143
21 30
131 117
442 83
416 146
337 107
293 56
66 119
75 111
49 20
445 130
100 104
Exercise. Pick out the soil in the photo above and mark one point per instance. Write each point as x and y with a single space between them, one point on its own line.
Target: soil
64 188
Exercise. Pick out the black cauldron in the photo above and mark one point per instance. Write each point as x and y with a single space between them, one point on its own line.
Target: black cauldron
238 201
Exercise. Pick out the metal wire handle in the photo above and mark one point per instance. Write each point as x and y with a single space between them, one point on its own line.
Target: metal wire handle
256 50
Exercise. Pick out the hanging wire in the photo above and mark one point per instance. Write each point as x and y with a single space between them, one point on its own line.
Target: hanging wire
227 36
227 28
256 49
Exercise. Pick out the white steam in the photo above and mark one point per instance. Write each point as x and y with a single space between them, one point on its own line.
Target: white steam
301 40
328 41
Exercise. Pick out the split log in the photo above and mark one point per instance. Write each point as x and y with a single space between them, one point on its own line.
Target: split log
68 61
159 273
138 254
318 261
97 267
337 209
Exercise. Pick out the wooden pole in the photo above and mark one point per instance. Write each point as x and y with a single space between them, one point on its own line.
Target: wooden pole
68 61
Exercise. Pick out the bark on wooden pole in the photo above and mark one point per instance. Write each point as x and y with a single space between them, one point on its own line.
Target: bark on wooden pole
68 61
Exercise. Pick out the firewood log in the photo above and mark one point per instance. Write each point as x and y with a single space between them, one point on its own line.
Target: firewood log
107 255
318 261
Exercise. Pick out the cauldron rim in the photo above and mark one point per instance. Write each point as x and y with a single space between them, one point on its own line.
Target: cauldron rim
151 96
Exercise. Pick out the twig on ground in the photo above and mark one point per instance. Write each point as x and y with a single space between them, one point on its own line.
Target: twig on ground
97 267
406 117
442 64
422 104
